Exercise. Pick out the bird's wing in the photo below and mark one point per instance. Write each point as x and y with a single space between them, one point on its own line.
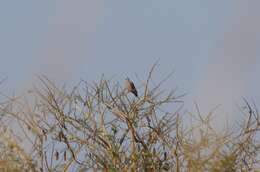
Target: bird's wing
132 85
133 89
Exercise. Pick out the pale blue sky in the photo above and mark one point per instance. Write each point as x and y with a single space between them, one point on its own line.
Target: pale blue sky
213 46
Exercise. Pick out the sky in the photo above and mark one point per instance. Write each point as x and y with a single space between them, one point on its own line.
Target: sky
213 46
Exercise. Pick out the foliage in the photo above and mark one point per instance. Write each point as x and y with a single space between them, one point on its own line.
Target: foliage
99 127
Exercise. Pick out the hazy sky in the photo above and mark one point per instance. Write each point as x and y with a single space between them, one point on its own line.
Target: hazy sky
213 46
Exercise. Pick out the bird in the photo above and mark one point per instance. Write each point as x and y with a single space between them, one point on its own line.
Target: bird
130 87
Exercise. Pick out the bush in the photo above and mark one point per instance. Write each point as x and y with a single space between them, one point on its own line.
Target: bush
99 127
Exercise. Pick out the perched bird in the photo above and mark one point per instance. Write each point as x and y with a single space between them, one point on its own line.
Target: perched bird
129 85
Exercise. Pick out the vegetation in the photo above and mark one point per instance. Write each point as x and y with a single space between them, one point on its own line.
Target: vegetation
99 127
